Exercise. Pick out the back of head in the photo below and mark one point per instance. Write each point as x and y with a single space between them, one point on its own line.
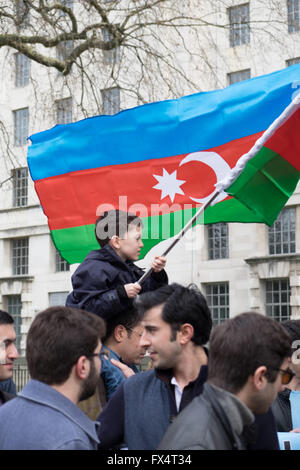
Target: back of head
129 319
56 339
114 222
242 344
5 318
293 329
180 305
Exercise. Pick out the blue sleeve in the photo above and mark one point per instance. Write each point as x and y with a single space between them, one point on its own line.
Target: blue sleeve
112 376
111 419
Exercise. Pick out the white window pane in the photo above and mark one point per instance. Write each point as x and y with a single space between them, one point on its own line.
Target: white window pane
57 298
277 299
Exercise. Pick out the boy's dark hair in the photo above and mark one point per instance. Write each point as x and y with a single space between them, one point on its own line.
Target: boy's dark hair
129 319
293 329
5 318
114 222
240 345
56 339
180 305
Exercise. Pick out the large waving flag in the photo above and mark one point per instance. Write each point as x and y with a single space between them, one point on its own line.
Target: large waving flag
160 160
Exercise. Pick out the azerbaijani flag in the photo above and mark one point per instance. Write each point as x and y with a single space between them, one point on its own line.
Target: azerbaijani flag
163 160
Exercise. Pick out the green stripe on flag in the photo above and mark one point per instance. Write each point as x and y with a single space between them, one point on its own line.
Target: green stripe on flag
265 184
69 241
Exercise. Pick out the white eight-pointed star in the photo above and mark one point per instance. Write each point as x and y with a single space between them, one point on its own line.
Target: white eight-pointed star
169 184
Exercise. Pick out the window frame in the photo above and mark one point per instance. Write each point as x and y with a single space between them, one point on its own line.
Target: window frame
109 107
216 252
217 316
21 126
64 110
239 31
277 305
20 253
20 187
290 231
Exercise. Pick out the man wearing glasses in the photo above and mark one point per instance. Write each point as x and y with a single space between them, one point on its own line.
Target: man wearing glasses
63 356
247 367
121 350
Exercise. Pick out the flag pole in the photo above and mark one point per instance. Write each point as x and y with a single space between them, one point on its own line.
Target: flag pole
182 232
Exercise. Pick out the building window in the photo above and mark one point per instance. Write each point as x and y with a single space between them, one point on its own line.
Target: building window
14 308
110 56
57 298
278 294
60 263
22 68
22 13
64 111
68 4
282 233
20 256
20 187
217 296
239 19
293 7
64 49
111 100
292 61
217 241
235 77
21 126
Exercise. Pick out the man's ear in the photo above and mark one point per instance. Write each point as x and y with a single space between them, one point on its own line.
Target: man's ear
120 333
259 378
82 367
186 333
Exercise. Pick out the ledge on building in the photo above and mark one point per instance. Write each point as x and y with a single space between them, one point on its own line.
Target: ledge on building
20 208
21 277
270 258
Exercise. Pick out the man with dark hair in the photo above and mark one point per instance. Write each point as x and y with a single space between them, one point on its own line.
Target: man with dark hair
63 356
177 324
121 344
286 407
248 363
105 283
8 353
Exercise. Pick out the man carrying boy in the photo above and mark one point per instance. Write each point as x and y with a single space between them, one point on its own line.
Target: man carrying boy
106 281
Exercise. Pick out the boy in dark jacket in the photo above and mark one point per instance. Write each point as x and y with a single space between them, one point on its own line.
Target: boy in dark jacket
106 281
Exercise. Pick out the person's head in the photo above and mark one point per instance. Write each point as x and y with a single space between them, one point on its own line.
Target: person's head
8 350
247 357
293 329
173 317
123 334
122 231
65 342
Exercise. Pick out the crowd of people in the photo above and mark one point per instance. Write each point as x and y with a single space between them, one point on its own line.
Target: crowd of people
234 386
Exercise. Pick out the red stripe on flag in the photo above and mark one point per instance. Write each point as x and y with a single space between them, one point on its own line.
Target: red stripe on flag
72 199
289 149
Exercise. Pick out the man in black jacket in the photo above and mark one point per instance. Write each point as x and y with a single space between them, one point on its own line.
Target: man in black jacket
282 405
106 281
248 365
8 351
